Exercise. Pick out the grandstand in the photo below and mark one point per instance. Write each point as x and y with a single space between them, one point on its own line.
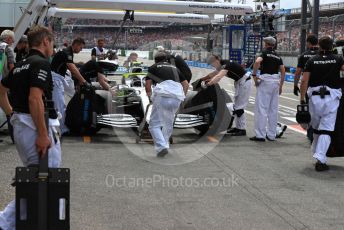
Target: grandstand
331 23
150 32
289 40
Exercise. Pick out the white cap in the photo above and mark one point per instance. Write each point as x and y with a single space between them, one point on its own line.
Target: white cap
160 48
270 40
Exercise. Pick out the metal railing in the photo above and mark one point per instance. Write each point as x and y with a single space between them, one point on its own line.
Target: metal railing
325 7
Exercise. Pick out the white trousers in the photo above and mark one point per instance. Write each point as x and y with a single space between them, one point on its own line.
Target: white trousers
62 86
25 138
241 98
324 114
162 120
266 109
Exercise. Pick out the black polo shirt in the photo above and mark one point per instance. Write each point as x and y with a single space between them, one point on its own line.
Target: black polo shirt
271 62
33 71
235 71
90 71
325 69
179 62
21 54
60 60
164 71
306 56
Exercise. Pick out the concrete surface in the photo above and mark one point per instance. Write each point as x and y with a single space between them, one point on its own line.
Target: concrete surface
236 184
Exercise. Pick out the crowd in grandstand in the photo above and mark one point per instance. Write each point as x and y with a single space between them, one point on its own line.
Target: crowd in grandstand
134 41
104 22
293 44
157 31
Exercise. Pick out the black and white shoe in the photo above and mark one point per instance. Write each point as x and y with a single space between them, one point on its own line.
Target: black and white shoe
320 167
283 129
162 153
257 139
238 132
232 130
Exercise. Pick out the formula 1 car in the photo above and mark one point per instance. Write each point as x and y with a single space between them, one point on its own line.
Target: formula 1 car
130 106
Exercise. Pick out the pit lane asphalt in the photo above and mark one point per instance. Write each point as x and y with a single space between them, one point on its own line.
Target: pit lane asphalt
117 184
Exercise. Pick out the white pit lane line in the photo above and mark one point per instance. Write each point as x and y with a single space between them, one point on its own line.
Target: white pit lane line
281 96
292 119
289 98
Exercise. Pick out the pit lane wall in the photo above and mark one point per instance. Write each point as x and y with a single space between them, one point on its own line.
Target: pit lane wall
288 78
196 59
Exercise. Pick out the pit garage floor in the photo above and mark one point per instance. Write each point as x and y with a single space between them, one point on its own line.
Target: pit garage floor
236 184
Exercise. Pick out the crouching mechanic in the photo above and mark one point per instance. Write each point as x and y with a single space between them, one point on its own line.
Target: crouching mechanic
322 75
62 61
242 84
269 86
170 90
93 74
31 85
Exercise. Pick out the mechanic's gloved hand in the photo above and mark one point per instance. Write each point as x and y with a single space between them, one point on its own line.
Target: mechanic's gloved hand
296 90
86 86
8 116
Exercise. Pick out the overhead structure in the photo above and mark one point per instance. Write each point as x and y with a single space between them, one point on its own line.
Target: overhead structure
118 15
37 11
267 1
159 6
33 14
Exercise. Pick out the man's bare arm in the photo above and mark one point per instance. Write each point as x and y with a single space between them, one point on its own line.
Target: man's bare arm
282 70
185 85
304 85
210 75
11 66
297 76
75 73
148 87
36 106
103 82
256 66
4 102
217 77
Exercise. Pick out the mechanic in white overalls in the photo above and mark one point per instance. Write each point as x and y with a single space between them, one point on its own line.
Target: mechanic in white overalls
62 61
269 86
242 84
30 84
170 90
322 74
